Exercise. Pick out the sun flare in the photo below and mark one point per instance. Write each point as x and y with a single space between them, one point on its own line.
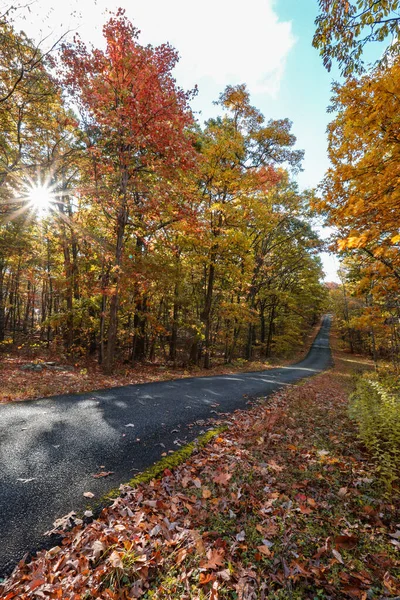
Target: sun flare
40 197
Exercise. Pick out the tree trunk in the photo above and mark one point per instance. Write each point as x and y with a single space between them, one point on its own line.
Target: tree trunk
122 219
174 328
2 303
206 317
270 332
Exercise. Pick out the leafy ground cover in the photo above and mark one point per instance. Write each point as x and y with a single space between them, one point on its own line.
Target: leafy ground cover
84 376
18 384
285 504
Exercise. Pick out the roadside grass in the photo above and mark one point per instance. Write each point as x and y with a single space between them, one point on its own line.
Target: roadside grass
284 505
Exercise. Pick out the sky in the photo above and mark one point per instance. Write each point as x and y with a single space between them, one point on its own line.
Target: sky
263 43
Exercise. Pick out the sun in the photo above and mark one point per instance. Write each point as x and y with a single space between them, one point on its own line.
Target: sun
40 197
38 194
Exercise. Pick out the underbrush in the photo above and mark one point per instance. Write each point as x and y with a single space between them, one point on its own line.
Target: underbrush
375 406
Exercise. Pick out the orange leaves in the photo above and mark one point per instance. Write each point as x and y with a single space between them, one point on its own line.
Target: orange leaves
215 559
359 193
206 493
348 542
228 523
264 550
222 478
102 474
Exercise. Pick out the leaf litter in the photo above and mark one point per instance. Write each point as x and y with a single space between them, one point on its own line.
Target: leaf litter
283 505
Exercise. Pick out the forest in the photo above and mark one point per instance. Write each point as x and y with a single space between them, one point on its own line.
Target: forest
132 232
141 244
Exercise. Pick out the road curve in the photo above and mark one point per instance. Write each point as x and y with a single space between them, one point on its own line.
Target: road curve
50 448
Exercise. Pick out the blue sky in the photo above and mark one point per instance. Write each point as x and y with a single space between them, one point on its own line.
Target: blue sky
263 43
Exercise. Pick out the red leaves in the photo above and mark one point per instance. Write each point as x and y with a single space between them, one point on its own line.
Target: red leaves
224 508
36 583
129 88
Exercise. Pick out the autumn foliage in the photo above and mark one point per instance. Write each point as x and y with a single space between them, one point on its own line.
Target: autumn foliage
360 198
165 240
283 505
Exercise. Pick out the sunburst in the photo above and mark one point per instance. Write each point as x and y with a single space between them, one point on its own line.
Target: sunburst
39 195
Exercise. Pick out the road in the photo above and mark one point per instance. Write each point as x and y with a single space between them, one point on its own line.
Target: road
50 448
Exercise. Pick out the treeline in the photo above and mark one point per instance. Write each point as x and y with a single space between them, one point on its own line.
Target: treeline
361 199
163 239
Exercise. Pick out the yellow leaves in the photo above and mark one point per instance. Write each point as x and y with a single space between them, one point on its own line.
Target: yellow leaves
353 241
361 187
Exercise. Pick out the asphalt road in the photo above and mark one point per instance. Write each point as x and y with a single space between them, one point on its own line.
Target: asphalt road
50 448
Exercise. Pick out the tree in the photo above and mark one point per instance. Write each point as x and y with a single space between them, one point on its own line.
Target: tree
240 153
344 28
35 137
137 119
360 193
164 241
30 105
361 200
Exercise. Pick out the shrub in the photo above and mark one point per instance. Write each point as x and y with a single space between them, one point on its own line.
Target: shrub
375 406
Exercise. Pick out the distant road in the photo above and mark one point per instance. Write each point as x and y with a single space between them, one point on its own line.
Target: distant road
50 448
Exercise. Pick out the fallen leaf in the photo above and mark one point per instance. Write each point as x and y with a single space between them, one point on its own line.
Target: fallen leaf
103 474
115 560
222 478
214 591
53 551
206 493
206 578
36 583
322 452
395 535
338 556
98 548
182 553
62 523
345 541
264 550
215 559
225 575
305 510
88 494
274 466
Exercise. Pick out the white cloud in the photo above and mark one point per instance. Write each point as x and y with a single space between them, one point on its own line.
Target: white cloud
220 41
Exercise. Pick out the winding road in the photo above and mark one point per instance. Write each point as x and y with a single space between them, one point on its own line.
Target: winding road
50 448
